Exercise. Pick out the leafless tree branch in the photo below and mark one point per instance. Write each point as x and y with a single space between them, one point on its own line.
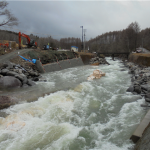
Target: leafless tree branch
9 20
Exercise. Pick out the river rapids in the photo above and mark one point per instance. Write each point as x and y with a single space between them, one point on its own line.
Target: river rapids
77 114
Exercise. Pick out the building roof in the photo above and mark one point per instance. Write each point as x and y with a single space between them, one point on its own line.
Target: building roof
74 46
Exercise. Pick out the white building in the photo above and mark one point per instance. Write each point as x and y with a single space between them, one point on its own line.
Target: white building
74 48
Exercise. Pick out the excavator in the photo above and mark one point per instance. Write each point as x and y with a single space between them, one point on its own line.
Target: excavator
4 45
30 43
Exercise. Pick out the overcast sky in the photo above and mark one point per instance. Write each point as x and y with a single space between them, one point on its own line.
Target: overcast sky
64 18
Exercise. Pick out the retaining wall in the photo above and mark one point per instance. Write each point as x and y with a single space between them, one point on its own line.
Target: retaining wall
64 64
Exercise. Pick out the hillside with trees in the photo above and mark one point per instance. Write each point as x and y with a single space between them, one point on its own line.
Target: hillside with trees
125 40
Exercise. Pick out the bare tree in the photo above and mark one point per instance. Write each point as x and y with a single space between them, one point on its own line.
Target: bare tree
9 19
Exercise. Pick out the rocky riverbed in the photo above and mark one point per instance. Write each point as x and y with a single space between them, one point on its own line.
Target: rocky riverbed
140 78
15 76
98 60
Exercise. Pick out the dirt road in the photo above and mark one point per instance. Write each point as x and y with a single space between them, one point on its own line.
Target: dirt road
13 54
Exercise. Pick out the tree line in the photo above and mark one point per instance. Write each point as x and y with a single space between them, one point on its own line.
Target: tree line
63 43
126 40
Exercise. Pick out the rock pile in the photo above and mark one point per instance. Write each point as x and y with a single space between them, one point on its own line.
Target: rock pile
97 74
98 60
140 80
12 75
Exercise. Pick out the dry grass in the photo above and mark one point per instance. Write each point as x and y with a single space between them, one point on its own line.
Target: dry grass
140 59
83 53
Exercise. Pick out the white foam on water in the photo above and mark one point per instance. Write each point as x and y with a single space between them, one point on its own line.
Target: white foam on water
95 115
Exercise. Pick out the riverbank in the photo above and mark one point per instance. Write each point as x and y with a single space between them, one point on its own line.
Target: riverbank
15 72
139 68
79 113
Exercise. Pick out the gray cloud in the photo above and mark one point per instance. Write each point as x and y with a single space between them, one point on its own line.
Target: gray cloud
64 18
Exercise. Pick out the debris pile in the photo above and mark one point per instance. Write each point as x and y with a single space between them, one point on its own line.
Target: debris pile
98 60
97 74
13 75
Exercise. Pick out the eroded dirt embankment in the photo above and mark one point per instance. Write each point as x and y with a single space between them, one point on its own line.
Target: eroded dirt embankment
140 59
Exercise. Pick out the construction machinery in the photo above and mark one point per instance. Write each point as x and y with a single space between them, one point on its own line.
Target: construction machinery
46 47
30 42
4 45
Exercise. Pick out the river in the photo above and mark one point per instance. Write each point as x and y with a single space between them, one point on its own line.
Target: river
77 114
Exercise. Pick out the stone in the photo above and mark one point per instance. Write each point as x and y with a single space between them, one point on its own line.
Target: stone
146 87
147 74
35 79
9 82
22 78
25 85
20 71
147 99
130 89
4 65
11 73
4 71
8 64
30 82
6 101
137 89
147 95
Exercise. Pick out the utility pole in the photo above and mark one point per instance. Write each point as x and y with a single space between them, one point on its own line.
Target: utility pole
82 37
142 44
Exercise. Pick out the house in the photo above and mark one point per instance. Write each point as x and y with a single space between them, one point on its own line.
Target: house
74 48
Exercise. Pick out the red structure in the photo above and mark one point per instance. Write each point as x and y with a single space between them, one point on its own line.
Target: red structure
30 43
4 45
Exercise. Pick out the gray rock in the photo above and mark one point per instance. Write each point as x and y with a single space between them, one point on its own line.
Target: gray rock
11 73
137 89
144 91
130 89
147 99
20 71
30 82
8 64
147 74
146 87
147 95
25 85
6 101
35 79
9 82
4 71
22 78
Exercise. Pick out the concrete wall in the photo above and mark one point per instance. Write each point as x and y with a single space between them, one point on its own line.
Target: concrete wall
64 64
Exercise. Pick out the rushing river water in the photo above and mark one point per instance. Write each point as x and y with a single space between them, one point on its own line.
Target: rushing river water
77 115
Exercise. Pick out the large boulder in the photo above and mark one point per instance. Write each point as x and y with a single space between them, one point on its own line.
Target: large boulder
30 82
137 89
6 101
22 78
130 89
9 82
146 87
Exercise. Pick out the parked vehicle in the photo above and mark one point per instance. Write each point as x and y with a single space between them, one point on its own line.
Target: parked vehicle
46 47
